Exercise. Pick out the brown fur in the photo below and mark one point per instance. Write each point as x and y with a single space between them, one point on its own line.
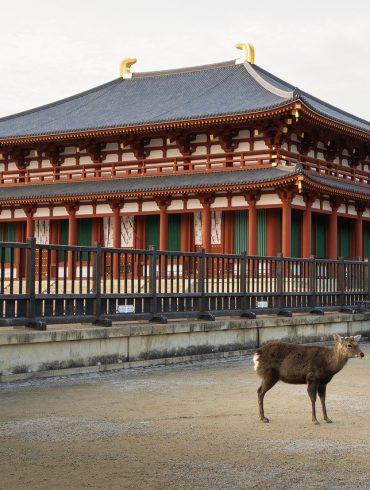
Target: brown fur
303 364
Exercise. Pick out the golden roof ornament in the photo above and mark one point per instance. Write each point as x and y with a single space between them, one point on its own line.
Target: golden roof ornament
125 66
248 53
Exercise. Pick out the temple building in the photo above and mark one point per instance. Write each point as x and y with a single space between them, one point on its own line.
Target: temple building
225 157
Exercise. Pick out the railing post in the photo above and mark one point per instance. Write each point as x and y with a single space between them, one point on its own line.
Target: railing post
157 317
204 313
312 265
341 283
243 288
282 275
32 322
97 274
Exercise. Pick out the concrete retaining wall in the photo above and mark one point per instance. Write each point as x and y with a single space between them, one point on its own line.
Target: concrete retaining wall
59 352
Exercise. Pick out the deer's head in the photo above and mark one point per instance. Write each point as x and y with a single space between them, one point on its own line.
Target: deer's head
348 346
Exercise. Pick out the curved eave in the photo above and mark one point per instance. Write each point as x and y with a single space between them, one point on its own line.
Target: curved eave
309 184
334 124
149 128
275 183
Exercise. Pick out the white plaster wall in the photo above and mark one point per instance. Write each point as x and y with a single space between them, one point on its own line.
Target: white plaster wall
60 211
130 207
298 201
19 213
69 161
150 206
238 201
194 204
5 214
176 204
85 209
259 145
33 164
173 152
156 142
244 133
201 138
216 149
267 199
156 154
220 202
128 156
326 206
103 209
342 209
85 159
112 157
243 146
42 212
352 210
200 150
316 205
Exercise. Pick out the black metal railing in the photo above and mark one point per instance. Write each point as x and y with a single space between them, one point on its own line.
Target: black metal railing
42 284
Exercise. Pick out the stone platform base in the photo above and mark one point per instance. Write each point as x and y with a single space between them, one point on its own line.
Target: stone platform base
62 351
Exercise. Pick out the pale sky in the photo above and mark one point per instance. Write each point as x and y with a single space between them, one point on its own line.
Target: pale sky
54 49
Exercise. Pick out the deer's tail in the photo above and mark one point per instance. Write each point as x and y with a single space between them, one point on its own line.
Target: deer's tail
256 361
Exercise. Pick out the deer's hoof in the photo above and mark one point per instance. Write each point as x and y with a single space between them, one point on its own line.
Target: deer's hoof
265 420
316 422
328 421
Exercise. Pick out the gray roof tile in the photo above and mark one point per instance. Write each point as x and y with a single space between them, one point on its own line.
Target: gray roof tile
143 184
192 93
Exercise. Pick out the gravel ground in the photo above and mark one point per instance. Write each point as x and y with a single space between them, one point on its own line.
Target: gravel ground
190 426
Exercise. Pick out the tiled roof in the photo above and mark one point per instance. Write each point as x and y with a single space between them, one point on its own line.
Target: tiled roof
340 184
315 104
217 90
144 184
148 98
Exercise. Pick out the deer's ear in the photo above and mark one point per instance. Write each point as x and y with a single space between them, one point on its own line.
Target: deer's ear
357 338
337 337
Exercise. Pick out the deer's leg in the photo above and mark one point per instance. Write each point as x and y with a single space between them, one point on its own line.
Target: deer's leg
267 384
322 393
312 392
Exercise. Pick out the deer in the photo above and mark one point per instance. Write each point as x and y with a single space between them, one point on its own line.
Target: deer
303 364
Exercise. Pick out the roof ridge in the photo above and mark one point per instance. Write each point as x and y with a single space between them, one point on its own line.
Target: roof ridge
188 69
266 85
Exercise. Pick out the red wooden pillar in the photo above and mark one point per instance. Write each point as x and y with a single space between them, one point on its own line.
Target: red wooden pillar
307 227
163 203
359 241
252 198
333 230
206 201
228 232
116 232
286 196
72 235
30 229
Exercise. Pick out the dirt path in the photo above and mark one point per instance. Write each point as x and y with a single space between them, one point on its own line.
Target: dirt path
192 426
